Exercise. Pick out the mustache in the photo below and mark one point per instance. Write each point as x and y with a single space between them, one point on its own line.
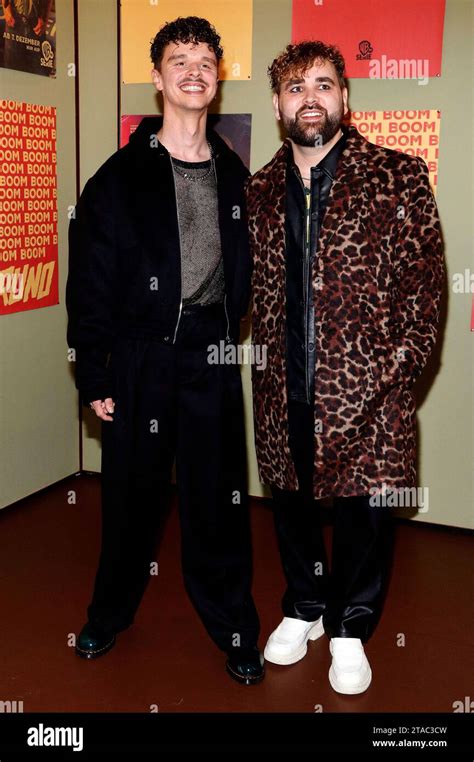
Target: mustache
191 82
310 108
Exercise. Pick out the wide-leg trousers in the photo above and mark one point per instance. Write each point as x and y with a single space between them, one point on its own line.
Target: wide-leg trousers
349 595
172 402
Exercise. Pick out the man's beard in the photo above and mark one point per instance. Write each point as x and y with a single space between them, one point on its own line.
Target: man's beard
310 135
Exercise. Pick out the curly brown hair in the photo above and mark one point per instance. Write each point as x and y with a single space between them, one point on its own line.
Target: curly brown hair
190 29
297 59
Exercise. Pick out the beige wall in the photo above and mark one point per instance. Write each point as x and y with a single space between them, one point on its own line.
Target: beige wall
39 438
445 394
98 133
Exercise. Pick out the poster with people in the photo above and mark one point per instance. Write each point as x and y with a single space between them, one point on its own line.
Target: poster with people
28 36
235 129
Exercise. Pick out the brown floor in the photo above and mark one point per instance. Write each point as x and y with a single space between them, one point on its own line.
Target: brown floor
49 550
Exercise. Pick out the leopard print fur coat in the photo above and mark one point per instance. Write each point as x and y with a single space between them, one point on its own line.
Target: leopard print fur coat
377 281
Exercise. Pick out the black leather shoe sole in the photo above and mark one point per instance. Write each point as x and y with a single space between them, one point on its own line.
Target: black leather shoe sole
86 653
247 680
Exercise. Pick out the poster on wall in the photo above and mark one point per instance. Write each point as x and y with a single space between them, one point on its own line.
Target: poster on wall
28 207
380 39
411 131
140 20
235 129
28 36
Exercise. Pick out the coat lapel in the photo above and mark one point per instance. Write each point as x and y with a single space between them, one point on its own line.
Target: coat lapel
151 178
274 192
346 187
343 196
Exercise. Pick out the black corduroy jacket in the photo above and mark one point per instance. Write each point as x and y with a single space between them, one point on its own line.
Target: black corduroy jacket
124 253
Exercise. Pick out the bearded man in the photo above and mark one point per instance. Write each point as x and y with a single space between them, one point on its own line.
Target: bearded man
347 280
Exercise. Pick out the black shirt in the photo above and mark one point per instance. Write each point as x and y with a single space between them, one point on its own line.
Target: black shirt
304 216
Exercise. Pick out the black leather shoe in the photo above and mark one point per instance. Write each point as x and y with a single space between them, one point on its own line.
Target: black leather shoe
245 665
93 642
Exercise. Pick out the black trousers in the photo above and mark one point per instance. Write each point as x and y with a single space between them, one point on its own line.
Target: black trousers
350 595
170 401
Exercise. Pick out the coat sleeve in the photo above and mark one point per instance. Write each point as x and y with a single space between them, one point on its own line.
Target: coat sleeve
418 277
245 258
91 289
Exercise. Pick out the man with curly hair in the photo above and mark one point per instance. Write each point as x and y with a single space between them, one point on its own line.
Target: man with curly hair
159 272
347 280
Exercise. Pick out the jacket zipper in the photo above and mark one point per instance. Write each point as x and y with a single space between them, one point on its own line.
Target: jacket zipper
180 265
227 338
307 264
306 234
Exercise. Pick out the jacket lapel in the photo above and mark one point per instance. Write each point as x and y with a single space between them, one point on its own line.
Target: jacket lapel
153 199
346 187
274 192
343 196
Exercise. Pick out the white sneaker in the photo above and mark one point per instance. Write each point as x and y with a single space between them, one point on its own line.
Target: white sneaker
350 670
288 643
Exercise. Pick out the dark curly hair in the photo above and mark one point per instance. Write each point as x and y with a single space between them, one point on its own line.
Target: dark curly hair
190 29
297 59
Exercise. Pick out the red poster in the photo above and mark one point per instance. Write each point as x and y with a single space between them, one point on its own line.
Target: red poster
392 39
28 207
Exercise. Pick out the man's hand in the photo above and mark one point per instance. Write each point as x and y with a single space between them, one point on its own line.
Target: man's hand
39 26
9 17
102 407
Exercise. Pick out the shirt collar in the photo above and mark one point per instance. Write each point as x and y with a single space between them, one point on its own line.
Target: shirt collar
328 165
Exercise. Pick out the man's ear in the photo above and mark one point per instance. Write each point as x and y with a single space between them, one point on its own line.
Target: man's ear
157 79
344 100
276 106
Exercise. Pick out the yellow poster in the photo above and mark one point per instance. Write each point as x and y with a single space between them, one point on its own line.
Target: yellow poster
141 20
411 131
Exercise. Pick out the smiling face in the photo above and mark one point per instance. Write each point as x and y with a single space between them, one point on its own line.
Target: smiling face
188 75
312 105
